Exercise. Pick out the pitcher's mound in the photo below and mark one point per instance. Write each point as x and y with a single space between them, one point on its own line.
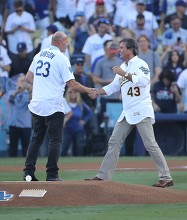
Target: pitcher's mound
77 193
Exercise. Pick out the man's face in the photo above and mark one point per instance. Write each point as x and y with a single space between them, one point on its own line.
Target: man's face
140 8
123 51
140 23
111 49
102 29
19 10
143 43
176 24
22 54
79 67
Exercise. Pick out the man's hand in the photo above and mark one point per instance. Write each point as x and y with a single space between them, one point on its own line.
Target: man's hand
93 93
118 70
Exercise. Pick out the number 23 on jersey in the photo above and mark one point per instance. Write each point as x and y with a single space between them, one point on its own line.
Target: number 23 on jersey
43 68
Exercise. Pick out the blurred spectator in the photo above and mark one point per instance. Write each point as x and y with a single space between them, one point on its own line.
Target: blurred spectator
65 9
20 117
116 9
180 12
99 13
158 8
141 29
46 42
74 127
166 94
103 74
9 7
91 127
42 18
84 79
171 8
2 9
5 62
151 57
21 61
150 20
175 63
88 7
182 84
126 33
175 37
79 33
19 25
93 47
4 59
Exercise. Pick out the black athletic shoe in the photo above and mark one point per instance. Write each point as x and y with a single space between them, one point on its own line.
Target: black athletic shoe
54 179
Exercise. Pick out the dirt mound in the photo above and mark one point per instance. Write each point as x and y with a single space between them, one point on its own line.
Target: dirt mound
77 193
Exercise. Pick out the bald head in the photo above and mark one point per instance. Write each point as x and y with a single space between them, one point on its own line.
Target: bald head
60 40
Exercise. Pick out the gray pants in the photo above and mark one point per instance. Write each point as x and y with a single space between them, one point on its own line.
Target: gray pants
120 132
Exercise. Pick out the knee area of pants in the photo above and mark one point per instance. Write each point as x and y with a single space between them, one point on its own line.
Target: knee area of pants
150 144
114 140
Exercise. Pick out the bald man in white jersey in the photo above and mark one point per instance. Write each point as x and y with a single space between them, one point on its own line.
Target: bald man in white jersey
49 73
133 79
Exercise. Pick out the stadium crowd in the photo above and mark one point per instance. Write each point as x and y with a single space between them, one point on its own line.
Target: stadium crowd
94 28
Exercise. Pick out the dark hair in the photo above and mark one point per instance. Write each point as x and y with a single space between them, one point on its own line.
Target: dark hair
181 57
173 17
106 42
145 36
140 16
131 44
168 75
18 3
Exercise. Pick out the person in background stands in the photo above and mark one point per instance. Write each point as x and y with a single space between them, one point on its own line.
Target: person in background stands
20 125
93 47
151 57
46 42
21 61
166 94
19 25
74 128
5 66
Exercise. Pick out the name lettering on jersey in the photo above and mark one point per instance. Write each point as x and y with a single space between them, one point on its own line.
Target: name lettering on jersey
47 54
146 71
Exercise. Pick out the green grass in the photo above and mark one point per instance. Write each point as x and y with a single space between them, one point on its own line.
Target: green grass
117 212
108 212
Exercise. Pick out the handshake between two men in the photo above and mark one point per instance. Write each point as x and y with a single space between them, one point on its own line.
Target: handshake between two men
94 93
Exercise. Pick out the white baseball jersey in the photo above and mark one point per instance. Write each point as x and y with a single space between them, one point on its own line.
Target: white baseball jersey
94 46
136 98
4 60
182 83
51 70
26 20
130 21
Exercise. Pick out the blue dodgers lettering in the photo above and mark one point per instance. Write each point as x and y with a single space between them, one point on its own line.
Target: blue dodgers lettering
47 54
144 70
